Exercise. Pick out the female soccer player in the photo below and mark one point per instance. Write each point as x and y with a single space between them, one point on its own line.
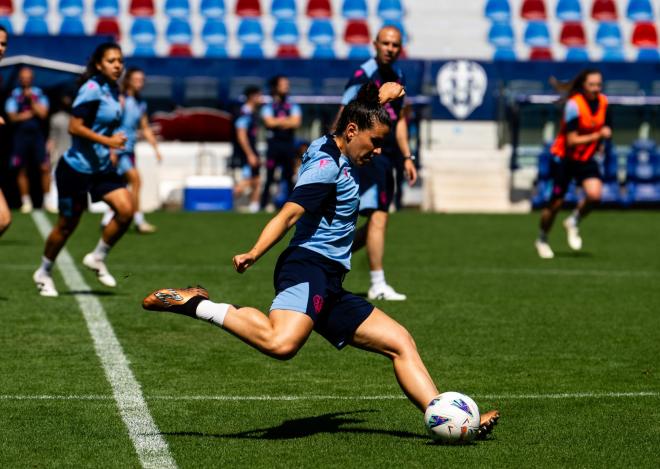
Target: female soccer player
584 126
5 213
309 273
86 167
134 118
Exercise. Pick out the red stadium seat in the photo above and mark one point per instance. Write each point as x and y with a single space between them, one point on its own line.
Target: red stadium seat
540 53
604 10
533 10
288 51
142 8
573 35
180 50
6 7
108 27
319 9
645 35
357 32
248 8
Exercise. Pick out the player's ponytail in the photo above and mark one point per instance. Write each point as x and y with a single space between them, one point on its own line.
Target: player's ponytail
365 110
96 58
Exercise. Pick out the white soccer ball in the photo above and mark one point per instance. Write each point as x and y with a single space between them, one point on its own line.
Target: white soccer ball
452 417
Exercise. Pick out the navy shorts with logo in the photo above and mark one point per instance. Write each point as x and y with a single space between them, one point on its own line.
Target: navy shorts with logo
564 170
376 185
310 283
73 186
28 148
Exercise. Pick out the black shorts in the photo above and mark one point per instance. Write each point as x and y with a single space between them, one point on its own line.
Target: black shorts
310 283
376 185
564 170
73 187
27 149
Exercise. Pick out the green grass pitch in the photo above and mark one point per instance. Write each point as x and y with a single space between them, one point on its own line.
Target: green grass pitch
567 349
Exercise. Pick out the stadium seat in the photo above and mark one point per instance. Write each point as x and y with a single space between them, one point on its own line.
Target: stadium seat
177 8
577 54
572 35
212 8
106 8
321 33
5 22
324 51
216 51
178 32
6 7
648 54
643 162
498 10
72 26
214 33
501 35
287 51
569 10
36 25
143 31
642 192
540 53
286 33
142 8
252 51
354 10
180 50
390 9
608 34
359 52
319 9
604 10
283 9
622 87
533 10
357 32
640 10
645 35
35 7
248 8
108 27
398 25
613 54
609 162
250 32
537 34
144 50
70 8
504 54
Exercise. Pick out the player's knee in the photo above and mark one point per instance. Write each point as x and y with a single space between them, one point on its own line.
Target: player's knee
124 213
282 349
378 220
5 222
402 344
594 197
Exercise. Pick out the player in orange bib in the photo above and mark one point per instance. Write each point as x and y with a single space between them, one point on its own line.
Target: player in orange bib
584 126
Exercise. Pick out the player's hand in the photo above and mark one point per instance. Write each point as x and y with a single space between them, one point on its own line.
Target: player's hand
118 140
243 261
410 171
159 157
253 161
113 157
606 132
2 121
391 91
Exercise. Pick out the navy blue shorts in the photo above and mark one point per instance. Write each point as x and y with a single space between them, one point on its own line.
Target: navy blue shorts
376 185
28 149
73 186
564 170
310 283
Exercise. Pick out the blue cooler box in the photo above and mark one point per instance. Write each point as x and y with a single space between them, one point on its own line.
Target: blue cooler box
208 194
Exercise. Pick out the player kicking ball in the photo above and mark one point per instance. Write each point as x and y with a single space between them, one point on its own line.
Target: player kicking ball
309 273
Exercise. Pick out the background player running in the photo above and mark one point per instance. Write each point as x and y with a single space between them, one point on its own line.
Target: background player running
246 127
5 213
309 273
86 167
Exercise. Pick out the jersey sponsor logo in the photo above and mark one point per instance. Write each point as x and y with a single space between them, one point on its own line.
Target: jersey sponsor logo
461 87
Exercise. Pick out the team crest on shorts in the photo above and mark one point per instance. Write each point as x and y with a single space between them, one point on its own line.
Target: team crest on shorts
318 303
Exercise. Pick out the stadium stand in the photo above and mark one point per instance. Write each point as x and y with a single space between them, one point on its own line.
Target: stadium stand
498 10
6 7
106 8
36 25
569 10
70 7
212 8
139 8
35 8
354 10
604 10
533 10
72 25
177 8
108 27
643 173
248 8
284 9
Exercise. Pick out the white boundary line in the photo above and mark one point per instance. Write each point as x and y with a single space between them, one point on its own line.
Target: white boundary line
151 448
391 397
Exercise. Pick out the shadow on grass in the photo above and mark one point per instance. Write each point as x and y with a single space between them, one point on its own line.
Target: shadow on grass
574 254
305 427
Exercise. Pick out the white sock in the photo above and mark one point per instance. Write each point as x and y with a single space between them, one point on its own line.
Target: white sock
46 264
212 312
26 200
377 277
101 250
107 217
575 217
138 218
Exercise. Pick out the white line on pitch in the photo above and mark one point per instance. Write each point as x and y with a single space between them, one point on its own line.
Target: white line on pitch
149 444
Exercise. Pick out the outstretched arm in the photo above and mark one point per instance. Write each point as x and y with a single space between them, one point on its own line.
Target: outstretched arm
271 234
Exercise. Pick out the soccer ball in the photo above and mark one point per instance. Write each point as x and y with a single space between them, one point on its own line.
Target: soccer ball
452 417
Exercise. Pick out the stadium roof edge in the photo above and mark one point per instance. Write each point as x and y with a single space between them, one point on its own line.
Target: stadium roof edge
41 62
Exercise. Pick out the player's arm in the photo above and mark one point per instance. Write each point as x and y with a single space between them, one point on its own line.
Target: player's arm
244 143
573 138
149 136
11 108
40 106
77 128
402 140
275 230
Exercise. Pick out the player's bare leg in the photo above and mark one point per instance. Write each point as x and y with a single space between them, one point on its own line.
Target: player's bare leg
593 189
23 184
548 215
5 214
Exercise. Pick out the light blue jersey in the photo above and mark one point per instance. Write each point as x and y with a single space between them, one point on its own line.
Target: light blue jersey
134 109
97 103
328 190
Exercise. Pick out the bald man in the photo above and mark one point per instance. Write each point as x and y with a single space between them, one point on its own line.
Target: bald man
377 178
5 214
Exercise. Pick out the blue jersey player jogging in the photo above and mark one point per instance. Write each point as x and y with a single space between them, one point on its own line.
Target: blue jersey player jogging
133 111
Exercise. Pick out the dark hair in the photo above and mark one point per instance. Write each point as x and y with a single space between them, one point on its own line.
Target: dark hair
97 56
364 111
2 28
577 84
250 91
273 82
127 77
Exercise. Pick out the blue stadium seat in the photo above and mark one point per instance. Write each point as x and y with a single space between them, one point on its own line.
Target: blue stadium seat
324 52
398 25
354 10
648 54
359 52
613 54
72 26
504 54
178 31
609 34
213 8
250 32
577 54
35 7
639 10
143 31
537 34
569 10
609 162
214 33
252 51
643 162
498 10
390 9
144 50
36 25
286 32
70 7
177 8
501 35
5 21
283 9
216 51
106 8
321 32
